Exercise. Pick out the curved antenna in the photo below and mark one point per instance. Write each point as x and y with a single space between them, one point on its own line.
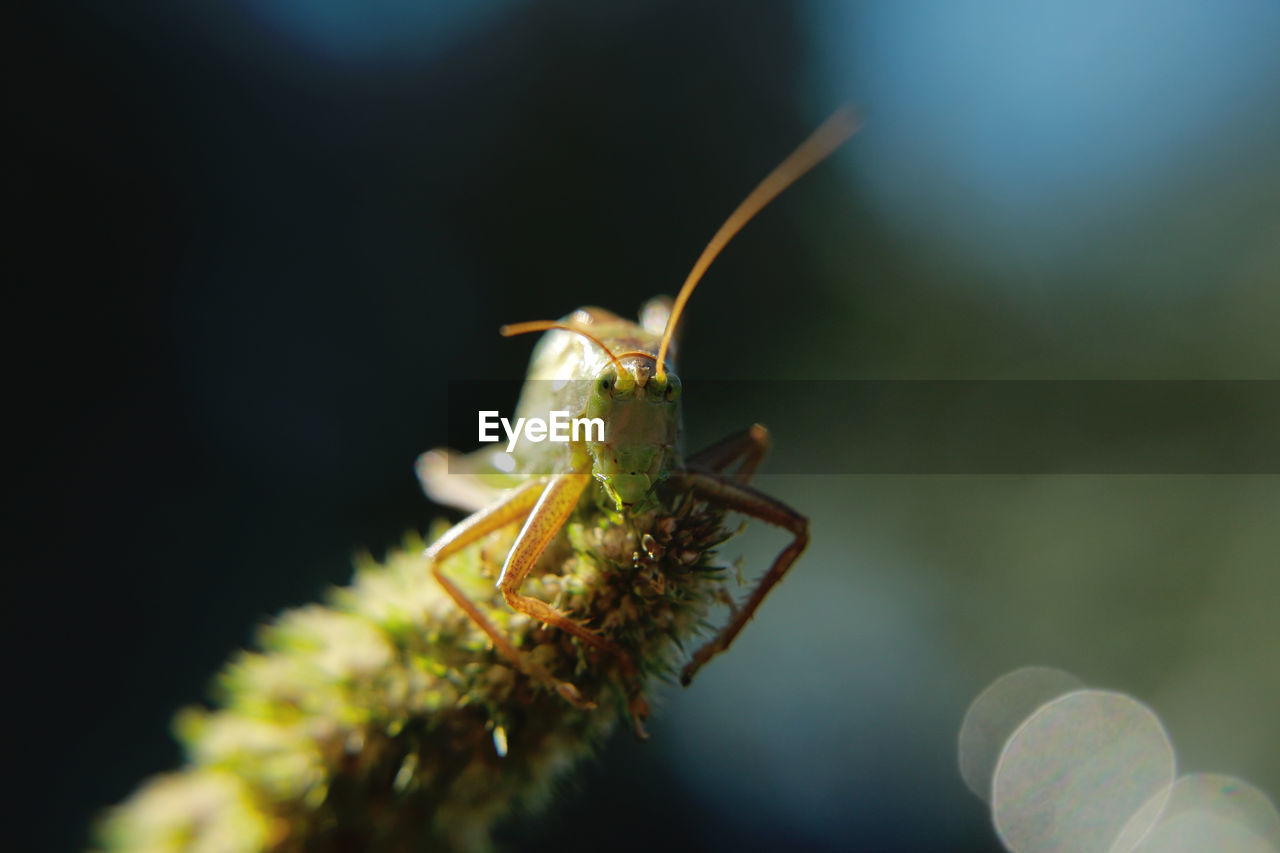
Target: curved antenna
513 329
639 353
827 138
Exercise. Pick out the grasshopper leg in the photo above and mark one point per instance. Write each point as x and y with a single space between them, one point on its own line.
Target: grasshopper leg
516 506
738 497
750 446
553 509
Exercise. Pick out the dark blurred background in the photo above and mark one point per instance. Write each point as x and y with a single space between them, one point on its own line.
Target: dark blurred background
254 240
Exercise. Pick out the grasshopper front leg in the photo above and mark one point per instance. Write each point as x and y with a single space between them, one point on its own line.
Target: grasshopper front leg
552 510
554 506
736 496
517 505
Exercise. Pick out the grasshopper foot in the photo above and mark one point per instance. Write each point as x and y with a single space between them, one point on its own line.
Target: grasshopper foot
700 657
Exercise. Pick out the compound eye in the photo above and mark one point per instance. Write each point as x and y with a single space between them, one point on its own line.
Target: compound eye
673 387
605 383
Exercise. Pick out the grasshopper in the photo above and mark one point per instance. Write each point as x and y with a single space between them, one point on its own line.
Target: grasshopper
416 706
593 363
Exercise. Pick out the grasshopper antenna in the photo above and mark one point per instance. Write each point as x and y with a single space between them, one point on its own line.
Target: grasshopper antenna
827 138
513 329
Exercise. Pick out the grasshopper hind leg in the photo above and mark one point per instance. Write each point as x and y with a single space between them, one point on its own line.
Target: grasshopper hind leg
749 446
468 481
732 492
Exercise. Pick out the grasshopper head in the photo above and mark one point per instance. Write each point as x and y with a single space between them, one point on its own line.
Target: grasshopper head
633 393
641 413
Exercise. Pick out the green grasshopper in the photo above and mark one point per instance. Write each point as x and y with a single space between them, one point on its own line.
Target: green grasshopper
624 373
416 707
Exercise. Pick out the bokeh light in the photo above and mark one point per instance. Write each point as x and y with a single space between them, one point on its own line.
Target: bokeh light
1071 775
1095 770
997 713
1204 811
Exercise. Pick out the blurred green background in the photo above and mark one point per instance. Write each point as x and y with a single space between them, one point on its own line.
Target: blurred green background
258 237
